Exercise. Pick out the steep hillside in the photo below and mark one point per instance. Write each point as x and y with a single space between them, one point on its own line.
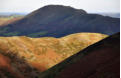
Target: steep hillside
100 60
42 53
58 21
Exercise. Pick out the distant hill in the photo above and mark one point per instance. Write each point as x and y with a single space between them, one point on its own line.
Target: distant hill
25 57
114 15
5 20
58 21
100 60
12 14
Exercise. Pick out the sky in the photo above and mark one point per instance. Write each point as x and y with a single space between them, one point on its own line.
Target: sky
27 6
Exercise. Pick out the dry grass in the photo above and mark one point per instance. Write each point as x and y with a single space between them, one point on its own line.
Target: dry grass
43 53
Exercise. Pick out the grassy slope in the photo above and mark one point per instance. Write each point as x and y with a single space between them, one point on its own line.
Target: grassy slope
43 53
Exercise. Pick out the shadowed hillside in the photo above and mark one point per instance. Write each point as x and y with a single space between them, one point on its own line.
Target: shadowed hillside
43 53
58 21
100 60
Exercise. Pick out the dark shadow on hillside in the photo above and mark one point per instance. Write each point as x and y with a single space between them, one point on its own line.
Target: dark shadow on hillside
59 21
101 60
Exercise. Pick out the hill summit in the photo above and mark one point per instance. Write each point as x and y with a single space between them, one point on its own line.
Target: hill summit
57 9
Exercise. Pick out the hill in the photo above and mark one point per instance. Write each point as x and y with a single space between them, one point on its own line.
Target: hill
100 60
59 21
5 20
27 57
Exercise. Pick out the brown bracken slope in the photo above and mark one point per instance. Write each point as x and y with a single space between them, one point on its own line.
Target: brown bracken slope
25 57
101 60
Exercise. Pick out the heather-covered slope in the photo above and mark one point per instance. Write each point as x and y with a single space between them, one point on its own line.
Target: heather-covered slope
58 21
100 60
31 54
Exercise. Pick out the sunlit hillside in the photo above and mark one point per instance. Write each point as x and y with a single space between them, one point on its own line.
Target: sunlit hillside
4 20
43 53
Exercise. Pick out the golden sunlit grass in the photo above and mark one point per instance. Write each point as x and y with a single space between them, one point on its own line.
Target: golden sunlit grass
43 53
